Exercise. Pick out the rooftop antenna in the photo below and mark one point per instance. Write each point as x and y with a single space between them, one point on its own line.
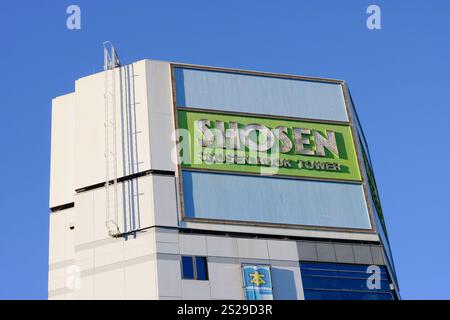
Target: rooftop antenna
111 62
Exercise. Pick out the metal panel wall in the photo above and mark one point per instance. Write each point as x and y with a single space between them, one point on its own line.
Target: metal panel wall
259 94
274 200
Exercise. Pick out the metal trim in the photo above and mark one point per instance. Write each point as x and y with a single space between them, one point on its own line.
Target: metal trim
266 236
345 91
257 73
263 115
276 225
284 176
62 207
126 178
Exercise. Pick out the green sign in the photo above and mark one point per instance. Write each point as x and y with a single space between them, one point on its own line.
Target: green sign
260 145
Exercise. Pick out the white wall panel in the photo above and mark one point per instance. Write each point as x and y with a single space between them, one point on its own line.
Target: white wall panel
225 278
109 253
282 250
141 244
222 246
56 279
86 291
140 281
110 285
62 150
193 245
90 131
195 290
167 241
57 238
160 117
252 248
164 200
135 203
84 218
132 139
169 275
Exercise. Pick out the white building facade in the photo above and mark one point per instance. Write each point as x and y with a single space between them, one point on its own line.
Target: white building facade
129 220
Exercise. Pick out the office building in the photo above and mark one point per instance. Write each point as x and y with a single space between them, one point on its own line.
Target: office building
174 181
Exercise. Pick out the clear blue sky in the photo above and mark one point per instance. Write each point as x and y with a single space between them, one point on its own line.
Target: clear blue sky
398 77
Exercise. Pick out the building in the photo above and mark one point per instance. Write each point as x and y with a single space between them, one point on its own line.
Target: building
265 190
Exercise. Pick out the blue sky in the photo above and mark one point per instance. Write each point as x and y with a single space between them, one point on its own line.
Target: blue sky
398 77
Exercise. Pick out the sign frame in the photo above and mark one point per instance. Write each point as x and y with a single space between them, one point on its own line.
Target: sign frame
350 123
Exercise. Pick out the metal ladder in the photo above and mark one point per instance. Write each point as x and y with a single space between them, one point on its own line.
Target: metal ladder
111 62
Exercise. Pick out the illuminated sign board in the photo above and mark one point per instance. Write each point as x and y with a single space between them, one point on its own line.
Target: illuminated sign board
267 146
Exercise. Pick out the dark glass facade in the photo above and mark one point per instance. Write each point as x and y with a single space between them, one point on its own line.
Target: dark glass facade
336 281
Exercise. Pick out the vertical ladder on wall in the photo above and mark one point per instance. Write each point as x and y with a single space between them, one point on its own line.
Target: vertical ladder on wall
111 62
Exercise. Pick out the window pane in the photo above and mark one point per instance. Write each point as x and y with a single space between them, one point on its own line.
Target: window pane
366 296
202 268
187 264
313 295
345 295
319 272
330 281
360 275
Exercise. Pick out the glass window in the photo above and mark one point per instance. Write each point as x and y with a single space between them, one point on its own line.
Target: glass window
187 264
195 268
202 268
339 281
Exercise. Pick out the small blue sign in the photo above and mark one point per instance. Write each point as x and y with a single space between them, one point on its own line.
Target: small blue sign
257 282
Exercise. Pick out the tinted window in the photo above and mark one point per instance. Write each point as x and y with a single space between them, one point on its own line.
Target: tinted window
202 268
338 281
195 268
187 264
